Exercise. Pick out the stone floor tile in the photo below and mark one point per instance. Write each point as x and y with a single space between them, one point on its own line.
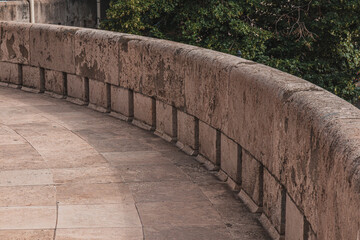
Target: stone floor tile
218 193
121 144
199 174
178 214
133 233
236 212
19 157
166 191
26 177
248 232
86 175
188 233
152 173
27 196
27 217
27 234
74 160
9 136
98 216
135 158
105 193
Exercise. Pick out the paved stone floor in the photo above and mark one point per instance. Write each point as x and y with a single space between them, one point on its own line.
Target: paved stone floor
67 172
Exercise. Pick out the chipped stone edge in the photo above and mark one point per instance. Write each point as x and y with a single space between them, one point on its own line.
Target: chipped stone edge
251 205
120 116
274 234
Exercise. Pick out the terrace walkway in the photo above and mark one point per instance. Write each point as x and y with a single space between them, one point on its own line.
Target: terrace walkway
68 172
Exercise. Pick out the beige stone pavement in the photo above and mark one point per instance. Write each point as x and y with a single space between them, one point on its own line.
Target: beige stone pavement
68 172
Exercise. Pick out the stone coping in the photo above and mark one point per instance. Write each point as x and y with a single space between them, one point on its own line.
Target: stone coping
291 147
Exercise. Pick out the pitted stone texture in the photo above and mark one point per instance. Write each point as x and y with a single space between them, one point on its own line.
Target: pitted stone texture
98 94
252 178
206 85
166 120
144 109
154 68
273 202
122 101
187 130
208 143
97 55
76 87
15 40
9 73
52 47
230 158
31 77
294 228
55 82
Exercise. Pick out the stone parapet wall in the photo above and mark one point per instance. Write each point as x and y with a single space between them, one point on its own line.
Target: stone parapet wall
290 148
81 13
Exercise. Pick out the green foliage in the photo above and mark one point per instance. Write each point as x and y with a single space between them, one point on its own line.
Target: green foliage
318 40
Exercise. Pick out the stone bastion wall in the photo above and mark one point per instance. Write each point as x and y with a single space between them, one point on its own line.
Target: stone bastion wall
290 148
81 13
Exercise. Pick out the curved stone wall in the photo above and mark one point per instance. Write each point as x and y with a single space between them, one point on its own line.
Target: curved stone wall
290 148
80 13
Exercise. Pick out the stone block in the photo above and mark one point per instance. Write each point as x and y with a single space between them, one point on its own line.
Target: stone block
187 133
32 77
144 110
99 98
52 47
55 82
252 178
209 143
154 67
166 121
230 158
10 73
77 88
122 101
14 44
274 203
294 227
97 55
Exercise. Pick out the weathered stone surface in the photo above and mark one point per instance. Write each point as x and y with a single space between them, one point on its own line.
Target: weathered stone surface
208 146
122 101
294 228
166 120
98 94
187 131
274 202
144 109
252 177
55 82
14 11
206 85
230 155
76 87
154 67
60 12
97 55
14 42
52 47
31 77
10 73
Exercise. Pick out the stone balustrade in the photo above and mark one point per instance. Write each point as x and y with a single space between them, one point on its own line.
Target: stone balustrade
290 148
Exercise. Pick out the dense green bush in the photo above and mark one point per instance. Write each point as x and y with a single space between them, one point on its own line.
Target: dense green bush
316 40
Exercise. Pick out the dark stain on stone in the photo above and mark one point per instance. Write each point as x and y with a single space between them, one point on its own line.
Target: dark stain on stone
9 46
286 124
24 51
